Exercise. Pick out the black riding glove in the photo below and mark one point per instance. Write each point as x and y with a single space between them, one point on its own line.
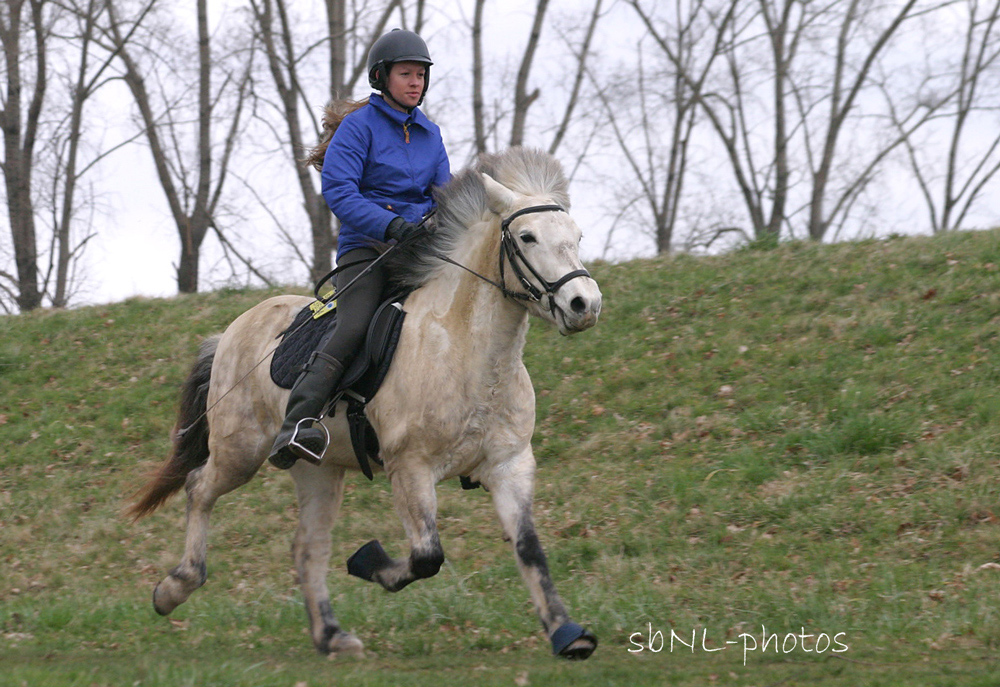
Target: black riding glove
400 230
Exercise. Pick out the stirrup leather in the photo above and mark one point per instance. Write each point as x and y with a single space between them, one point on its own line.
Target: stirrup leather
300 449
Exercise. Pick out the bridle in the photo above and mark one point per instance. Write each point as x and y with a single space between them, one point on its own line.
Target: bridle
513 254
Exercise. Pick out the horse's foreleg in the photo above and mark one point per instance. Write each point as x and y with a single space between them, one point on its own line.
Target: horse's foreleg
204 486
320 492
512 493
416 504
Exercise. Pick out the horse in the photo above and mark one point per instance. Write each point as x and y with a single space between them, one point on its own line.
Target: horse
504 248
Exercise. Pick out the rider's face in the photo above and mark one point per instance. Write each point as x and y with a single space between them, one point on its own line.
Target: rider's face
406 83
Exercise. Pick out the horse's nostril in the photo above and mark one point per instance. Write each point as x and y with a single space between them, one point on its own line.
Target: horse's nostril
578 304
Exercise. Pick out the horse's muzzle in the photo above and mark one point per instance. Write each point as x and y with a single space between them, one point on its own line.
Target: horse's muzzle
580 313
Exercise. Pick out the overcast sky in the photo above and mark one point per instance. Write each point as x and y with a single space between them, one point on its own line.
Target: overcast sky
136 245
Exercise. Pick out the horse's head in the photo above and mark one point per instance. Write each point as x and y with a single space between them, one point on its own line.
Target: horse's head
540 259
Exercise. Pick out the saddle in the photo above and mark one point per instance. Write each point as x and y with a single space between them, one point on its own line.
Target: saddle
310 330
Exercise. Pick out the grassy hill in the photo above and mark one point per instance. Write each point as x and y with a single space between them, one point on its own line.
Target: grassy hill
800 443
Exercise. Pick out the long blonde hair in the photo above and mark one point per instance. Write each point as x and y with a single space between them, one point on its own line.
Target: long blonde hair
333 115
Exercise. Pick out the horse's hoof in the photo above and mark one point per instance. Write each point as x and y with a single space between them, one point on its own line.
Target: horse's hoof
345 645
573 642
175 588
163 602
368 560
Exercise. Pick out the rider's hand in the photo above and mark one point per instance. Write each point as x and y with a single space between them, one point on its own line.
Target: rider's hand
400 230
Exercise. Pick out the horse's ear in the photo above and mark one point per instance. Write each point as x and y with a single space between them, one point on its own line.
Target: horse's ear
500 198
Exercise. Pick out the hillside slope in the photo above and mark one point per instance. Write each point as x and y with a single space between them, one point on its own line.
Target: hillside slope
796 440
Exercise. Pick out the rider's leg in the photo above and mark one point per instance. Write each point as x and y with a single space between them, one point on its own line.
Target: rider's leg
323 373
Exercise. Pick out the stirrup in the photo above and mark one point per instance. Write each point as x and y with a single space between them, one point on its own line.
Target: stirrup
301 450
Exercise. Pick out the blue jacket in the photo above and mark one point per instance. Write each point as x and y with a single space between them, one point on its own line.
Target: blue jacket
381 163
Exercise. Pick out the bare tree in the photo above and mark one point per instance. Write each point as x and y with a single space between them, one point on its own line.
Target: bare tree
478 111
283 65
656 140
581 59
91 74
20 122
841 98
278 38
81 91
969 166
192 183
820 58
764 188
524 96
43 164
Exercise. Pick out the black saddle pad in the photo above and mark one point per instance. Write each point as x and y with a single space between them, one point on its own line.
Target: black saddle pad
301 338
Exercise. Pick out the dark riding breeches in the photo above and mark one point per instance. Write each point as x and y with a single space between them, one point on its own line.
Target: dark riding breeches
357 306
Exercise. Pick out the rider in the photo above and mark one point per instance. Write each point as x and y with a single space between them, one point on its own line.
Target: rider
379 164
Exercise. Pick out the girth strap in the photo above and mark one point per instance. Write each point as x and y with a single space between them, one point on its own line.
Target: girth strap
357 422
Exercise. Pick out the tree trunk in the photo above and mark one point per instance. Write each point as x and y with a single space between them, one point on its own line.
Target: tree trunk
778 33
191 226
22 223
187 270
523 99
840 107
80 94
194 229
337 30
478 116
19 143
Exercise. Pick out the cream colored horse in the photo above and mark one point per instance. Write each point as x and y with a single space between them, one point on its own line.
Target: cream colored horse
457 399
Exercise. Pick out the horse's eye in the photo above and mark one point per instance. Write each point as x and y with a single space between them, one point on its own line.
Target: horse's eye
528 238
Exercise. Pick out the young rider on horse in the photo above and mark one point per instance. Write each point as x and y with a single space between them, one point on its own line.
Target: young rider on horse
378 170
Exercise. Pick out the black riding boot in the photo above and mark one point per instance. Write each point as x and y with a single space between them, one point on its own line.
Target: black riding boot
309 394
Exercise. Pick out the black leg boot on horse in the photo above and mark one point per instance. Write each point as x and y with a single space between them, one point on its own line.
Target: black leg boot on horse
298 438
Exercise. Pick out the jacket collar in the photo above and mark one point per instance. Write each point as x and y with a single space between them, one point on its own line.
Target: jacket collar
415 117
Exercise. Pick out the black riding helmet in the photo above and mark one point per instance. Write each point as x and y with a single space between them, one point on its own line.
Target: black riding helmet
399 45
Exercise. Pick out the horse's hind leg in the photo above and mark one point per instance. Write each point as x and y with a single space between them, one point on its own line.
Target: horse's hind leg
416 504
512 496
320 492
204 486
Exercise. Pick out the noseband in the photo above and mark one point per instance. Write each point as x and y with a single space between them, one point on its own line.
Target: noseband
518 263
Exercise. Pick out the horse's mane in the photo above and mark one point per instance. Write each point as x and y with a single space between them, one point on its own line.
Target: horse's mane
462 202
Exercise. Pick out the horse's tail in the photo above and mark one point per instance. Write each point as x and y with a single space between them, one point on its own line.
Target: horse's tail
190 437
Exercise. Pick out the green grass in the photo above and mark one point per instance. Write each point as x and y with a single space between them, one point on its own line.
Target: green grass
802 439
